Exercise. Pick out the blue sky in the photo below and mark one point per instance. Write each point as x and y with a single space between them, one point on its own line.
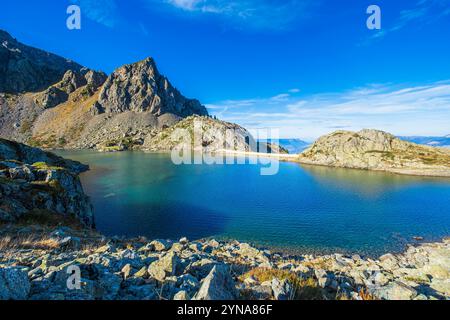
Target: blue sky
307 67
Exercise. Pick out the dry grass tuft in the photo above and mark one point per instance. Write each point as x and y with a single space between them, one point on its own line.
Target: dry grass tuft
29 241
49 219
319 263
305 288
365 295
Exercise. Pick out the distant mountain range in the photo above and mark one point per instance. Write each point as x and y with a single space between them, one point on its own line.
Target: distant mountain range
293 146
443 142
298 146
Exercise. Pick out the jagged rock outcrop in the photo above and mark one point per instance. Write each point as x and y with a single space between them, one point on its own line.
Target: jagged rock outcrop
19 152
71 82
33 81
51 97
377 150
27 69
33 180
202 133
95 79
218 285
139 87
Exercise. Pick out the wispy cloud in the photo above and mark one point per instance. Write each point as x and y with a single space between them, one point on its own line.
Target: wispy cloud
104 12
253 14
405 110
422 12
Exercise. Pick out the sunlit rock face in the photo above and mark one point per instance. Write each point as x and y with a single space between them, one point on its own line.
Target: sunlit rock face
140 87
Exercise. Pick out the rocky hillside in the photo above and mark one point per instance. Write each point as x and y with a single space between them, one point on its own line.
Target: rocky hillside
75 107
377 150
27 69
34 264
202 133
33 181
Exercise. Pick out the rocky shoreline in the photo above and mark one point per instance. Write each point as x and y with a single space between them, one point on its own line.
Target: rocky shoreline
45 231
34 262
33 181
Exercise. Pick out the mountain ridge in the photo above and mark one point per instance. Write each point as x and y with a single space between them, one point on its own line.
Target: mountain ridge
28 69
78 108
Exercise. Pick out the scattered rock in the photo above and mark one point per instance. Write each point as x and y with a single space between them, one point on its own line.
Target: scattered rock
322 278
218 285
142 273
166 266
160 245
396 291
260 292
126 271
14 284
181 295
282 290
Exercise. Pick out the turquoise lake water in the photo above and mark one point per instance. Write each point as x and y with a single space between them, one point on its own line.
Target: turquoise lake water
302 208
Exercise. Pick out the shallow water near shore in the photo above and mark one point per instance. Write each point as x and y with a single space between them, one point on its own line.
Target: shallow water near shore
300 209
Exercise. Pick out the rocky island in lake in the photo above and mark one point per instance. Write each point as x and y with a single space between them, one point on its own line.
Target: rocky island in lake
379 151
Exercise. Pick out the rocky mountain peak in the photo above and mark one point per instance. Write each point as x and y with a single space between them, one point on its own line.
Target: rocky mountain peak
139 87
72 106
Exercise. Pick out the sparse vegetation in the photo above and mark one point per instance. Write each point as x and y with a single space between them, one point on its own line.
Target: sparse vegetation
45 166
365 295
49 219
305 288
62 141
35 241
26 126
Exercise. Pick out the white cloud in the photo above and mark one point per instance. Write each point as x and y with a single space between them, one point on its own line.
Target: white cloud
189 5
104 12
402 110
423 12
252 14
